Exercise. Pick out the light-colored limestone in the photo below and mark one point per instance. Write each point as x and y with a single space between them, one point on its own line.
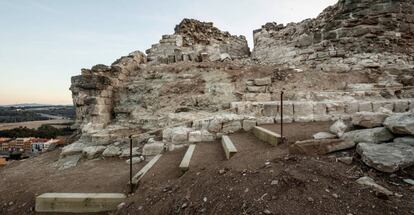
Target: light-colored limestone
228 146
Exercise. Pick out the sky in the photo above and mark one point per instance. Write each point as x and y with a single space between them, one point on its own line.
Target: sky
45 42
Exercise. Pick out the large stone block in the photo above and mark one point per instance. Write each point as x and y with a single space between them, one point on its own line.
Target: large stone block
320 146
401 106
180 134
368 119
303 111
287 113
271 109
262 81
335 108
265 120
248 124
365 107
264 97
351 107
194 136
231 127
376 105
151 149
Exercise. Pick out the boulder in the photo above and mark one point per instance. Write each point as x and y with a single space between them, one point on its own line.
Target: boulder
111 151
320 147
74 148
401 123
372 135
368 119
324 135
338 128
407 140
92 152
153 149
387 157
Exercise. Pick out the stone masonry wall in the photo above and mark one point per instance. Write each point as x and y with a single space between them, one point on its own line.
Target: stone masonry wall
351 35
198 41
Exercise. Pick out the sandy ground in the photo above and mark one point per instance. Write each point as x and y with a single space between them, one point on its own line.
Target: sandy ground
259 179
33 124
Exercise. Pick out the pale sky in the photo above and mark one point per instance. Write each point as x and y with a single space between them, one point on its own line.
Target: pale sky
45 42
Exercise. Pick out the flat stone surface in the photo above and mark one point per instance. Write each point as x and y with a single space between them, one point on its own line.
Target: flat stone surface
387 157
367 181
112 151
185 163
228 146
78 202
320 147
74 148
323 135
92 152
371 135
68 161
152 148
401 123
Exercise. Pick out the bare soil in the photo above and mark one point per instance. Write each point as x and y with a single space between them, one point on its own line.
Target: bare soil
259 179
34 124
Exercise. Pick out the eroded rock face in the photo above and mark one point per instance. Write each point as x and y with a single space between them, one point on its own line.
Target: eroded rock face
198 41
351 35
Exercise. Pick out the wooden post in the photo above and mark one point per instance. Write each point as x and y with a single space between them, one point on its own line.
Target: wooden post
131 186
281 116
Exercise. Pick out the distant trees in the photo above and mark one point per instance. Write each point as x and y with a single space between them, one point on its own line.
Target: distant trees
44 131
23 114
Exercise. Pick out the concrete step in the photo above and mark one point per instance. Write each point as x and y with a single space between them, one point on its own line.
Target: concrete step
185 163
228 146
266 135
78 202
137 177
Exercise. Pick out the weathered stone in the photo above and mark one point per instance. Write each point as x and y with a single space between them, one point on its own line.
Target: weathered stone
180 134
338 128
271 109
262 81
387 157
248 124
135 160
401 123
207 136
112 151
256 89
74 148
303 111
346 160
324 135
406 140
372 135
126 152
231 127
68 161
152 149
194 136
376 105
367 181
368 119
365 107
320 147
92 152
265 120
401 106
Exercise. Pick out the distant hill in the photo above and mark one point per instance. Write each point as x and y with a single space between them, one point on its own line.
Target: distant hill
32 105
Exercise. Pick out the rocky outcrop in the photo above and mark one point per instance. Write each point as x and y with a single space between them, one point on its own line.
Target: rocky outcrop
198 41
351 35
401 123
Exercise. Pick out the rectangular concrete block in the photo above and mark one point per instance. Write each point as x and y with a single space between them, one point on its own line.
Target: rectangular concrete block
266 136
78 202
228 146
185 163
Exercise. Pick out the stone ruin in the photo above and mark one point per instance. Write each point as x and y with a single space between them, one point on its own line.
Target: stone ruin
201 83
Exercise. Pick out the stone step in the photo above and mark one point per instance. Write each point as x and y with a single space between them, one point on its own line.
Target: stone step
266 136
228 146
185 163
137 177
78 202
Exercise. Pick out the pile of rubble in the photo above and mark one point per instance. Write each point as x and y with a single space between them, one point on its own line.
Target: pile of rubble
384 140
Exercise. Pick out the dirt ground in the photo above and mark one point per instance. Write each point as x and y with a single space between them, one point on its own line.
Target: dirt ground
259 179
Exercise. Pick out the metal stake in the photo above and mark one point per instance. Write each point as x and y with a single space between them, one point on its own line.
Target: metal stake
131 186
281 116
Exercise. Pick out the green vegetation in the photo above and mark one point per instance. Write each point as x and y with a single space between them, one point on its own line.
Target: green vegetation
23 114
44 131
